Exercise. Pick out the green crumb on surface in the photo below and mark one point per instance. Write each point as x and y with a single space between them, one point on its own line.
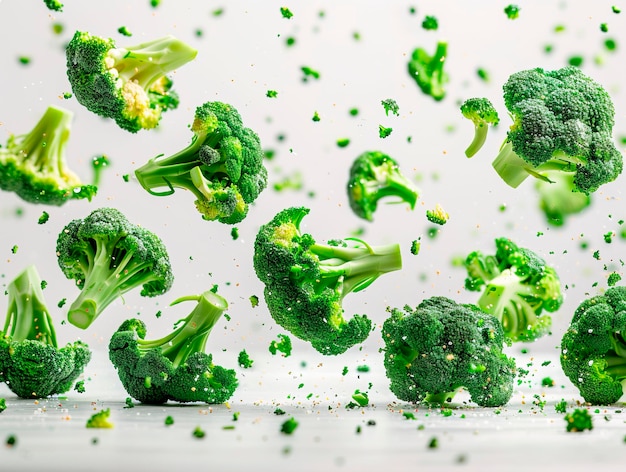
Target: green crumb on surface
289 426
100 419
547 382
128 403
362 398
279 411
169 420
408 415
316 117
561 407
254 301
3 404
80 386
433 443
198 432
11 440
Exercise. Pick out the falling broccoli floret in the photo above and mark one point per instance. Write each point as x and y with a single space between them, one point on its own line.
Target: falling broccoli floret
438 215
374 176
43 219
613 279
415 247
222 167
100 419
578 421
390 105
98 164
383 131
286 13
512 11
289 426
54 5
483 114
428 71
128 84
283 344
244 360
33 165
430 23
306 282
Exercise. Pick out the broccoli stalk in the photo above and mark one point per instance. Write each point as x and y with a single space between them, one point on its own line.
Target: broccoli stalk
34 165
174 367
128 84
482 113
31 363
108 256
222 167
306 282
427 70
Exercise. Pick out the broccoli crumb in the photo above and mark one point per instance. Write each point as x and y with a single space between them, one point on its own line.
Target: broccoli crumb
362 398
363 368
596 255
604 27
100 419
390 105
561 407
289 426
610 44
576 61
613 279
482 74
67 95
126 177
290 41
616 9
43 219
80 386
415 247
3 404
547 382
344 371
438 215
343 142
11 440
243 359
198 432
383 131
24 60
254 301
309 73
14 249
271 94
234 233
57 28
316 117
282 345
353 111
169 420
512 11
286 12
433 443
430 23
279 411
62 302
123 30
608 237
578 421
408 415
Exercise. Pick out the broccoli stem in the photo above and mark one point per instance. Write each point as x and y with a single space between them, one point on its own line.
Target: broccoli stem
392 184
480 136
439 398
355 268
192 335
148 62
27 315
615 366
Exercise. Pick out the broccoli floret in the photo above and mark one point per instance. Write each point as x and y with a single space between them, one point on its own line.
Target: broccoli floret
34 165
100 419
98 164
31 363
244 360
222 167
427 70
283 344
176 366
373 176
108 256
593 349
390 105
578 421
54 5
563 121
306 282
517 286
430 23
438 347
438 215
482 113
128 84
512 11
558 199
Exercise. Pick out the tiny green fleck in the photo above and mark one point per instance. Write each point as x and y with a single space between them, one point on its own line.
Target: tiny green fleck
616 9
482 74
353 111
437 215
57 28
290 41
198 432
575 61
11 440
361 398
169 420
129 403
3 404
14 249
24 60
408 415
271 94
604 27
363 368
383 132
316 116
289 426
343 142
309 73
62 302
415 247
547 382
67 95
344 370
155 3
430 23
286 12
610 44
123 30
596 255
218 12
433 443
512 11
279 411
234 233
126 177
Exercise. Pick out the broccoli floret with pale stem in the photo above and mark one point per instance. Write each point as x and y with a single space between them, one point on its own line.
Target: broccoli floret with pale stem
483 114
438 215
128 84
428 72
558 198
34 165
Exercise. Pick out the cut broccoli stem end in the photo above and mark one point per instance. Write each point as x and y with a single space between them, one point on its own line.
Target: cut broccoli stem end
480 136
510 167
439 398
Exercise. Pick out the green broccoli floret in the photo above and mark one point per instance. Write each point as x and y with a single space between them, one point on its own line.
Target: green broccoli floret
373 176
578 421
54 5
438 347
108 256
174 367
438 215
427 70
306 282
31 363
430 23
283 344
512 11
34 165
3 404
98 164
558 198
593 349
390 105
563 121
222 167
517 286
482 113
128 84
100 419
244 360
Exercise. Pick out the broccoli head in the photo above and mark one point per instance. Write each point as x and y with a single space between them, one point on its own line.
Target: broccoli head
374 175
517 286
438 347
222 167
108 256
31 362
34 165
427 70
128 84
558 199
174 367
563 120
482 113
593 349
306 282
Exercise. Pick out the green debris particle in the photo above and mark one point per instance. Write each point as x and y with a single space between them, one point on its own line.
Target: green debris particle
316 117
430 23
155 3
123 30
447 412
390 105
290 41
14 249
57 28
254 301
483 74
100 419
561 407
286 12
158 314
383 132
512 11
613 278
126 177
198 432
432 232
359 429
279 411
271 94
11 440
43 219
610 44
433 443
578 421
129 403
575 61
309 73
169 420
559 28
236 416
343 142
604 27
547 382
217 12
608 237
415 247
353 111
289 426
243 359
363 368
67 95
234 233
596 255
616 10
282 345
3 405
361 398
438 215
24 60
62 302
344 370
408 415
80 386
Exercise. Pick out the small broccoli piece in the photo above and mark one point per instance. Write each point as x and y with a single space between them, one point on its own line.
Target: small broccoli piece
123 30
440 346
98 164
593 350
286 13
43 219
198 432
517 286
289 426
306 282
271 94
427 70
243 359
438 215
3 404
31 363
174 367
282 345
558 198
34 165
415 247
128 84
390 105
430 23
80 386
169 420
482 113
374 176
563 121
383 131
54 5
108 256
512 11
309 73
560 407
343 142
222 167
613 279
578 421
100 419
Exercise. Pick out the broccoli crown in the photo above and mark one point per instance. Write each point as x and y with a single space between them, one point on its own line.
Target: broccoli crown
563 120
374 175
306 282
427 70
222 167
128 84
558 199
593 349
108 256
440 346
174 367
482 113
517 286
34 165
31 363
